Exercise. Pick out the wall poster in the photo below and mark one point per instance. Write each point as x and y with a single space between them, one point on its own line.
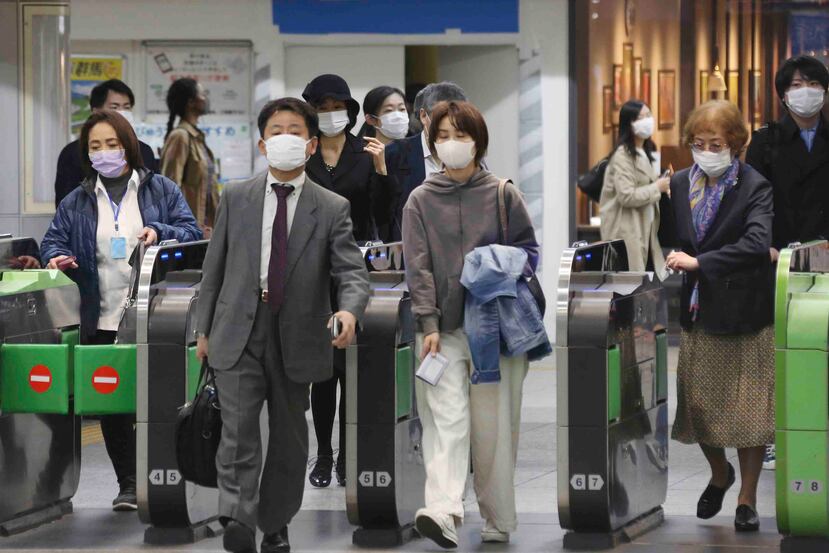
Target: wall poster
87 72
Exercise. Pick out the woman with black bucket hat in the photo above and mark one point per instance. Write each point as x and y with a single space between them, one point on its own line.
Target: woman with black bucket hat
354 168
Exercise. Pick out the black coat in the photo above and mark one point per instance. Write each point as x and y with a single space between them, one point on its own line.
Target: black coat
404 162
355 179
736 289
800 179
70 173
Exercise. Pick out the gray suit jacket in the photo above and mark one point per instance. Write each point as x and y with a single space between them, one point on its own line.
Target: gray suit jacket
321 248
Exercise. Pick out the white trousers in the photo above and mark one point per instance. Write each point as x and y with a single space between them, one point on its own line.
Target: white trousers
458 416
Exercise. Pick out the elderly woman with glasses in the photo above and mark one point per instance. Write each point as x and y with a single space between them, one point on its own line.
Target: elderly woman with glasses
725 382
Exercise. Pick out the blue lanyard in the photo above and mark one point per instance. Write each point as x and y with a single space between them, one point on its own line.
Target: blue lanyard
116 209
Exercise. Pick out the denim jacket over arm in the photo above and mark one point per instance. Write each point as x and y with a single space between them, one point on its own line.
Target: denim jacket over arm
501 316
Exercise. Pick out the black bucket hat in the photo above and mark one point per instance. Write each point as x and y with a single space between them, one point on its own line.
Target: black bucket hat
335 87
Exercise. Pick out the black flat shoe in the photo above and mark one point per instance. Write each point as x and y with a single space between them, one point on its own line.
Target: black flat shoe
276 542
320 477
340 470
710 502
746 519
238 538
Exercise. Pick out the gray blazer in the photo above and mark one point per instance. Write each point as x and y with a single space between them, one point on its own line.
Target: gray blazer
321 248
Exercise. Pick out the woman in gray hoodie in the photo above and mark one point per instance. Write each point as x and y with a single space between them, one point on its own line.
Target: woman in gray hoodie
451 214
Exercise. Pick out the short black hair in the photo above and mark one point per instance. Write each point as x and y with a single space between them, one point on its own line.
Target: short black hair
98 96
294 105
811 68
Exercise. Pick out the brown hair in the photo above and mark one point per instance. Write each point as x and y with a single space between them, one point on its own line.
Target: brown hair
464 117
124 132
721 117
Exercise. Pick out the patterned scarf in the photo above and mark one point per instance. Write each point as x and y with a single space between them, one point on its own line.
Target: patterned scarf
705 202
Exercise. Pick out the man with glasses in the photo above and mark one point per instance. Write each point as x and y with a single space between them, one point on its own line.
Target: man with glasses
793 154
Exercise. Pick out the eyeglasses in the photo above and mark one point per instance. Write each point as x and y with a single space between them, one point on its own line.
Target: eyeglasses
713 148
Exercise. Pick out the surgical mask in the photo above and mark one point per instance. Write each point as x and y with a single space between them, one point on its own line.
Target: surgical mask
108 163
333 123
395 124
805 101
286 152
128 115
713 165
455 154
643 128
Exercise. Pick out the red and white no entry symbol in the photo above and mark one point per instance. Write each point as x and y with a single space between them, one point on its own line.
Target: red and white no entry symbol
105 380
40 378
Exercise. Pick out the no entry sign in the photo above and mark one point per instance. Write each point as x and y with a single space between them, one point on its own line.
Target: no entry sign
105 380
40 378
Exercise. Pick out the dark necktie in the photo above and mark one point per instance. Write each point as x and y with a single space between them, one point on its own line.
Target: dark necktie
279 248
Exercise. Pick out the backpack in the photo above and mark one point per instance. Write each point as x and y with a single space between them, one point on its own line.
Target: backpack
592 181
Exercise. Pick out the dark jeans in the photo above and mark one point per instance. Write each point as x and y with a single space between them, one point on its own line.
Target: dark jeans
118 430
324 405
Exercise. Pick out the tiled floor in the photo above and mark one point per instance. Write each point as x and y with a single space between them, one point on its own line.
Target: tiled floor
322 526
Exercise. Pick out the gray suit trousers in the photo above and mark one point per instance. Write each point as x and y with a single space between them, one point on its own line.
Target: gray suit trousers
243 389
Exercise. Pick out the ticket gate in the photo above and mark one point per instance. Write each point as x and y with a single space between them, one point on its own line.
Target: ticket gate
385 475
802 397
167 376
40 446
612 390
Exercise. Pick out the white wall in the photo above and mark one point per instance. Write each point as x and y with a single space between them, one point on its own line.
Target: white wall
489 76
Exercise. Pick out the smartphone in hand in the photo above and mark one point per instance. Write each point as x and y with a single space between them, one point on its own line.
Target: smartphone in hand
66 263
335 327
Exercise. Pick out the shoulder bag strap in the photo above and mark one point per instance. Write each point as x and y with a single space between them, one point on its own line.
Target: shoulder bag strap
503 226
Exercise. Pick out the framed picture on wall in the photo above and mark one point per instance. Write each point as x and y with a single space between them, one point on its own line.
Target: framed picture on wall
666 86
618 97
734 86
637 78
703 87
607 109
627 72
646 86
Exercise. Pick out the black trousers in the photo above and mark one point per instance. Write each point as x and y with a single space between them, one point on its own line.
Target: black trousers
118 430
324 405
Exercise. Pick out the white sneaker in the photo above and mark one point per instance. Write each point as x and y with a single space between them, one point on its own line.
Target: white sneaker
770 458
490 534
438 527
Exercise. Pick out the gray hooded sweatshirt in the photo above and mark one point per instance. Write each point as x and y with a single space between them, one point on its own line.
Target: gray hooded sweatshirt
442 222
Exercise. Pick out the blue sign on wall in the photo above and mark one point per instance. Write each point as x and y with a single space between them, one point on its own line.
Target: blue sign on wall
395 16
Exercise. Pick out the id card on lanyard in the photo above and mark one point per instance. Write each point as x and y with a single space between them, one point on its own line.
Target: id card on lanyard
117 243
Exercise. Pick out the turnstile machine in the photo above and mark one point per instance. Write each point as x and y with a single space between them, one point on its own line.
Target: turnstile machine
40 446
385 476
612 390
167 377
802 397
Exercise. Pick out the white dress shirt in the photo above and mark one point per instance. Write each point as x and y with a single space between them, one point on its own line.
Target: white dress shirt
268 214
430 162
114 274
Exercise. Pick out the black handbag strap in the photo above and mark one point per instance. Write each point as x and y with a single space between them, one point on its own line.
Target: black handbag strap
503 220
206 376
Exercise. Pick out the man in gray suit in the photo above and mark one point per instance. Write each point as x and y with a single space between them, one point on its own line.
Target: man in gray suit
264 320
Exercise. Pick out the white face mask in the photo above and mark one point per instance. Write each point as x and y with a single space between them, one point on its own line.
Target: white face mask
643 128
713 165
455 154
128 115
805 101
333 123
286 152
395 124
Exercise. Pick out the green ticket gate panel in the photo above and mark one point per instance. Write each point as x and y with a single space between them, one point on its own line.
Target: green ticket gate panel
802 396
40 447
105 379
34 378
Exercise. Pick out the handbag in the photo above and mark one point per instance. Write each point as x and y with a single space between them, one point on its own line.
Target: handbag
532 283
592 182
198 432
127 325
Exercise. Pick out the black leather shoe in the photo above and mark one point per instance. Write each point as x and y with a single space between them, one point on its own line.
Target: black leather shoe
320 477
239 538
746 519
276 542
341 470
710 502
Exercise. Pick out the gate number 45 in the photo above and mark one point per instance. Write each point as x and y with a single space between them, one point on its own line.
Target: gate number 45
371 479
157 477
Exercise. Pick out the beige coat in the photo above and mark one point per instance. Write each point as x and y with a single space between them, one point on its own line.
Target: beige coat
629 208
184 160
